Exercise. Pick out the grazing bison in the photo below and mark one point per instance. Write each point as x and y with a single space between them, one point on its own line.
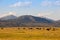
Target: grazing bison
2 28
30 28
38 28
24 28
18 28
48 29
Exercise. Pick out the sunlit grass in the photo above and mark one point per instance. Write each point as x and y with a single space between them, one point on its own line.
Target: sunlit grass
29 34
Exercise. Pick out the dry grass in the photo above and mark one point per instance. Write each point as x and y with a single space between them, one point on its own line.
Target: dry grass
29 34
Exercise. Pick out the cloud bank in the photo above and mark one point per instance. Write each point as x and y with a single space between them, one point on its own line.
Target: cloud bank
50 3
20 4
6 14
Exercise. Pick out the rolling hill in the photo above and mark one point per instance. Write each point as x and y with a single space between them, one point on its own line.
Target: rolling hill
27 20
8 17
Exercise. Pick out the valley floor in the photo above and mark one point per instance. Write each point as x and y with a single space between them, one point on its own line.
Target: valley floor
29 33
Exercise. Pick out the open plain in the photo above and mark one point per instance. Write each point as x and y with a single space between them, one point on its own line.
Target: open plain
25 33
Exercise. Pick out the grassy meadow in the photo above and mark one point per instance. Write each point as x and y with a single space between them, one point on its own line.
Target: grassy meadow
25 33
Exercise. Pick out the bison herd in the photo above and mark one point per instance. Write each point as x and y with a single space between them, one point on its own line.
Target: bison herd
48 29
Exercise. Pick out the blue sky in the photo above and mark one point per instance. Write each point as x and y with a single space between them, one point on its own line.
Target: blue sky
41 8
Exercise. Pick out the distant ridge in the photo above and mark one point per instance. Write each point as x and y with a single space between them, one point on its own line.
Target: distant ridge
34 19
26 21
8 17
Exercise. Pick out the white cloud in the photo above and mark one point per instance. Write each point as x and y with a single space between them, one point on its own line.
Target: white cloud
19 4
6 14
46 3
57 3
55 15
12 13
50 3
43 14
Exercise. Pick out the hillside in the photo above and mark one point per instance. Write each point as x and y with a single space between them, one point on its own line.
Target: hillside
27 20
8 17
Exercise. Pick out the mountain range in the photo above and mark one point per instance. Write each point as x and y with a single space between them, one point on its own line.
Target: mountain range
27 21
8 17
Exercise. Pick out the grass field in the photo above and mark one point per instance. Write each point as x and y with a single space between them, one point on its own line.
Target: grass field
29 34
